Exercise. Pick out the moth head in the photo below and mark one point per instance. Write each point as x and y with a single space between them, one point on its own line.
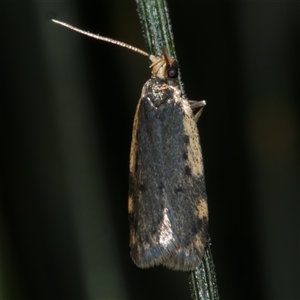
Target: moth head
164 67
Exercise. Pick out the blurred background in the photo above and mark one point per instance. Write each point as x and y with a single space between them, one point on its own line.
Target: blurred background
67 107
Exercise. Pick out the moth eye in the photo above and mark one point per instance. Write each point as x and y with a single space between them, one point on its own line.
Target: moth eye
172 72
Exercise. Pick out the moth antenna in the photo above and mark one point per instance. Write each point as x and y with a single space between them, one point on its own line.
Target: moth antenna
166 57
102 38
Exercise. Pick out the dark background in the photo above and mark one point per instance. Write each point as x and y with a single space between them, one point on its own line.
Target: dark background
67 106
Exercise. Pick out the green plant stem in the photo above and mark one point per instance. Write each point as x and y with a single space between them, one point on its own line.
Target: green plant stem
156 26
203 281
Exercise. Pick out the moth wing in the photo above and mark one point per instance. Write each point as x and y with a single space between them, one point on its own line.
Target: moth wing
185 187
152 236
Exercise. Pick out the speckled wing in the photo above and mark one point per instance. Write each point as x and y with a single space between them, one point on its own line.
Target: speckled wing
167 199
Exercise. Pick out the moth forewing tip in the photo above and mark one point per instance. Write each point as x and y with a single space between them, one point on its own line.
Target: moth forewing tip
153 258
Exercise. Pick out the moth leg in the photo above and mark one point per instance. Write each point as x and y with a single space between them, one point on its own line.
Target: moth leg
197 105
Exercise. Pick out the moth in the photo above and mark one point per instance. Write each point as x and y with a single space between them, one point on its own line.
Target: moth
167 205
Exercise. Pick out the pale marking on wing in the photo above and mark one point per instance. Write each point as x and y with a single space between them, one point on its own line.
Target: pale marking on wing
166 236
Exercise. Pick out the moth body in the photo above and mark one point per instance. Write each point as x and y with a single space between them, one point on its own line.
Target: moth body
167 204
167 199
